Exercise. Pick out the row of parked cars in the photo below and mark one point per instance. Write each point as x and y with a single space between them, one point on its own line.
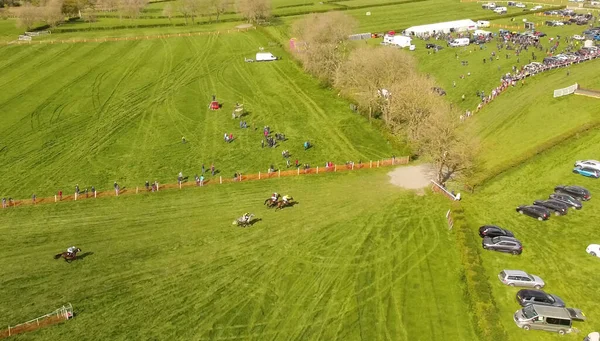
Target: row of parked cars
541 310
557 203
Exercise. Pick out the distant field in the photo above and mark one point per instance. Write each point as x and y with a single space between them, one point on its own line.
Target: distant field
554 249
95 113
355 259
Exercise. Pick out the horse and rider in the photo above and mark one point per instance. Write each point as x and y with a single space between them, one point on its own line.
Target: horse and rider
286 201
69 255
272 201
244 220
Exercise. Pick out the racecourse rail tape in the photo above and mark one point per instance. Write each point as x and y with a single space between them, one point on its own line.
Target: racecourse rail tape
220 180
146 37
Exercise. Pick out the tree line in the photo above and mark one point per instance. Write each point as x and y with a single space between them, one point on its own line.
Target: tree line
386 86
54 12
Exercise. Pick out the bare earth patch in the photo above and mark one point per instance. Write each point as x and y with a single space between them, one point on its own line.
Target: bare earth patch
242 26
412 177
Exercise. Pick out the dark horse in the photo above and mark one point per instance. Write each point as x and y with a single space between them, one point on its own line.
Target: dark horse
271 203
282 204
67 256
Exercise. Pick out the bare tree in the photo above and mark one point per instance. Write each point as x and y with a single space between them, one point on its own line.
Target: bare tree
189 8
89 14
27 15
254 10
131 8
324 38
216 7
168 12
52 12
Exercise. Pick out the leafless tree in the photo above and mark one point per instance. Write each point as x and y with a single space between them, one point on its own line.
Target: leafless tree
131 8
190 8
254 10
216 8
52 12
168 12
324 38
27 15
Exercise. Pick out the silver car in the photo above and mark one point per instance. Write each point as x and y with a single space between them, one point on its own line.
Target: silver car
593 164
518 278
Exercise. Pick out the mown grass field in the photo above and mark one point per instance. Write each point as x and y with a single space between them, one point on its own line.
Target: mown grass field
355 259
96 113
554 249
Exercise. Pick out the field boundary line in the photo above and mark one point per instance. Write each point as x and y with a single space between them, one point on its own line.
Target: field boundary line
134 38
331 168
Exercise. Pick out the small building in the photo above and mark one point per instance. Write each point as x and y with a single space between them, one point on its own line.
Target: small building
442 27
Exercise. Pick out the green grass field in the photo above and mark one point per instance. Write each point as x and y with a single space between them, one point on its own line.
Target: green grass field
554 249
170 264
102 112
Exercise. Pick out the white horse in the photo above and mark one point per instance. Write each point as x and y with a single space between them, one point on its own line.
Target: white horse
241 221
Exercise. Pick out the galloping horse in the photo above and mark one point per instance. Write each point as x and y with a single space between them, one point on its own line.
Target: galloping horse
282 204
271 203
68 257
243 222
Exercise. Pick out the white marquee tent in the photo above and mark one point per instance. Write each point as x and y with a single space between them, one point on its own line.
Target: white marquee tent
445 27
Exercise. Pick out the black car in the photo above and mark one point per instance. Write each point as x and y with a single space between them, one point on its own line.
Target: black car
567 199
494 231
503 244
433 46
538 212
559 208
530 296
576 192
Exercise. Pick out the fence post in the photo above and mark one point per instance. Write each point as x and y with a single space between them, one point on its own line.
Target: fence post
179 184
352 165
335 168
377 163
371 164
317 169
220 179
75 196
94 194
259 175
279 173
54 197
298 170
9 330
136 190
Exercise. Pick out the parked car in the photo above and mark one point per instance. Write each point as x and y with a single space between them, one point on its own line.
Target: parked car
519 278
503 244
494 231
548 318
589 172
587 163
567 199
559 208
593 336
433 46
593 249
531 296
520 5
538 212
577 192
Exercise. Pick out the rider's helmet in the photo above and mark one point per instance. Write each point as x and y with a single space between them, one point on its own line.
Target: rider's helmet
246 213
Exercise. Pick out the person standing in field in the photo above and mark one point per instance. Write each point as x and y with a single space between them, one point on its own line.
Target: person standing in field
60 195
33 198
147 185
116 186
77 190
94 191
202 168
3 202
212 169
201 180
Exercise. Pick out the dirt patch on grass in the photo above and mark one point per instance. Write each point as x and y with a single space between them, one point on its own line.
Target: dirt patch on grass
412 177
242 26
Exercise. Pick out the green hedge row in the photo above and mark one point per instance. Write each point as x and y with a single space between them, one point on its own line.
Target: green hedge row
342 7
563 138
478 290
517 14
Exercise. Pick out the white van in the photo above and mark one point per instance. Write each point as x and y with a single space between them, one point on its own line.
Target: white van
460 42
265 56
500 10
483 23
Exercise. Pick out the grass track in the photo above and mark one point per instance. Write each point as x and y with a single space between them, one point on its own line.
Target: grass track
120 114
371 271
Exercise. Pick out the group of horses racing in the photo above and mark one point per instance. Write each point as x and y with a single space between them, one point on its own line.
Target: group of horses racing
244 221
273 201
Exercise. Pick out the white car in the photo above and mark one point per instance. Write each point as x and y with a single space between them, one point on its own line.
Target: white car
593 336
520 5
578 37
536 8
558 23
593 249
592 164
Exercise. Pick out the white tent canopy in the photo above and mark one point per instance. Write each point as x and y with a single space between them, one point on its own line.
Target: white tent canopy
445 27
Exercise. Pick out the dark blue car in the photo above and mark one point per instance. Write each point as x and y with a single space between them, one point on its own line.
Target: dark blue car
592 173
